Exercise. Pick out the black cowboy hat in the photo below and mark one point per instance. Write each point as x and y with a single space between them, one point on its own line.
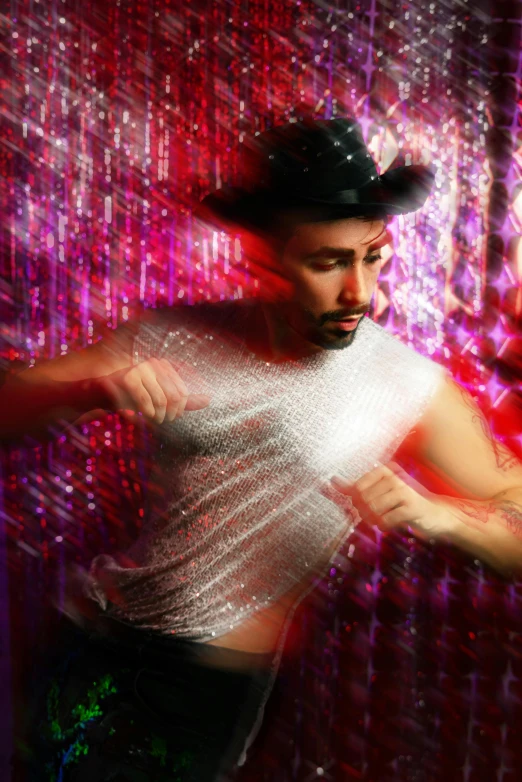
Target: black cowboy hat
322 166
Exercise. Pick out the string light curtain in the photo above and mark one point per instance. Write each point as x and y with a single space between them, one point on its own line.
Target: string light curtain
116 119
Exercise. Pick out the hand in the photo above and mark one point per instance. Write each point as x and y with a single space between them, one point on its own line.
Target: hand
152 387
389 497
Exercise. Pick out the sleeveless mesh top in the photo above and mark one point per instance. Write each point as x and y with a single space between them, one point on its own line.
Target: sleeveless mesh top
245 509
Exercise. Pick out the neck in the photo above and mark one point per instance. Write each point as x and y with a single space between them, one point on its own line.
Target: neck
283 342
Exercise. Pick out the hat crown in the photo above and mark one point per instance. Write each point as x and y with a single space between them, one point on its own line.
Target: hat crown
311 156
321 166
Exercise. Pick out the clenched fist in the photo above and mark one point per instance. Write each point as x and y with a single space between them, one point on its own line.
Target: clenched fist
153 388
388 497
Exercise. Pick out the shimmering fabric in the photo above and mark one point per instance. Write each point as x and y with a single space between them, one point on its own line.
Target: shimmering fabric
245 509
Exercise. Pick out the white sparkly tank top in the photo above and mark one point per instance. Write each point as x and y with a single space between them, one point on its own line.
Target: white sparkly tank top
245 508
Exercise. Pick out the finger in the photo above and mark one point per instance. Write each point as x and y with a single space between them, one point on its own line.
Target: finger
172 372
392 470
169 379
370 478
156 394
387 502
382 486
393 466
341 484
398 473
134 396
190 402
197 402
400 515
368 482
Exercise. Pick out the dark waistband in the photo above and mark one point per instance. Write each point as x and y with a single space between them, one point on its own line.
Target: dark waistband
109 634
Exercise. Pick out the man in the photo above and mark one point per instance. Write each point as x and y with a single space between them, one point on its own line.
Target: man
297 405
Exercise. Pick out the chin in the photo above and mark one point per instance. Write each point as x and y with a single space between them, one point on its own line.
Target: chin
341 342
334 341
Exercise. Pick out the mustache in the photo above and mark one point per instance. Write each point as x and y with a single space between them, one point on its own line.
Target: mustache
336 315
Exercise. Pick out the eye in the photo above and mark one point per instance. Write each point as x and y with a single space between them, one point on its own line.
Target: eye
342 262
326 267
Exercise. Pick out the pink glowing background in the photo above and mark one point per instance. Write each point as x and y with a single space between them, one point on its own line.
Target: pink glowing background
116 119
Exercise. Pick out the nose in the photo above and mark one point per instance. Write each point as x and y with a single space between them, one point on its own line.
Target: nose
354 289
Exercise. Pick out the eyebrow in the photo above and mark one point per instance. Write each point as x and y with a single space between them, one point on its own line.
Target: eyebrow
330 252
344 252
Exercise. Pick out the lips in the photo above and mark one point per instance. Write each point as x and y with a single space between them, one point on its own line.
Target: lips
348 324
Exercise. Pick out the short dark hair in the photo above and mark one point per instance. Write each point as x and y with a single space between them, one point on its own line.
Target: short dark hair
285 221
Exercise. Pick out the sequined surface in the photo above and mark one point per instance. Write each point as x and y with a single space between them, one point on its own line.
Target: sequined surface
247 509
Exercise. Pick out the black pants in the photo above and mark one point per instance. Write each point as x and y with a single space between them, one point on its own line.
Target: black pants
132 706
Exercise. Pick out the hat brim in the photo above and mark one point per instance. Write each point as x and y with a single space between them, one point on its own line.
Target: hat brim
399 191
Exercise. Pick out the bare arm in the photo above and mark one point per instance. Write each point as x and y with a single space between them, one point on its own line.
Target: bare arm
42 400
479 478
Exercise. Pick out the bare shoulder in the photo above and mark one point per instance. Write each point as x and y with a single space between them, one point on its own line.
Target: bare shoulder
454 440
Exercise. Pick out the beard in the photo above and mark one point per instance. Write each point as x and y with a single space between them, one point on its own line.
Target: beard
321 330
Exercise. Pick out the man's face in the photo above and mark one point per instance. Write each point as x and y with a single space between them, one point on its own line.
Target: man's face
332 268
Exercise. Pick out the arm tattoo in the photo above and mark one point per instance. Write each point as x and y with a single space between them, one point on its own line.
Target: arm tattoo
512 515
508 510
504 458
476 510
